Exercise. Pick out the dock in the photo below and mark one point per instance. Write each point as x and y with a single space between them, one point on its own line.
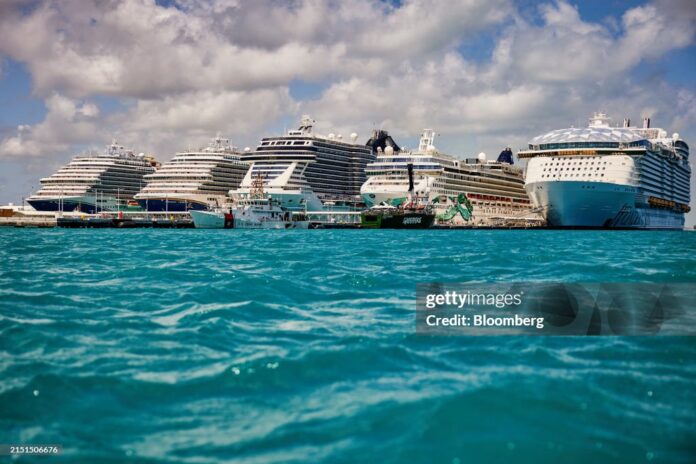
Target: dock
123 223
28 221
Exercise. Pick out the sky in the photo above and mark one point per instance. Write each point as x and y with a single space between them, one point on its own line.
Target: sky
162 76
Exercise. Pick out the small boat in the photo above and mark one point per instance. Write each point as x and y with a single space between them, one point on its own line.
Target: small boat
260 213
412 215
397 218
247 214
257 211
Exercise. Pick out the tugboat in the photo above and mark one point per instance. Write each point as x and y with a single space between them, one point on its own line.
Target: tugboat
412 215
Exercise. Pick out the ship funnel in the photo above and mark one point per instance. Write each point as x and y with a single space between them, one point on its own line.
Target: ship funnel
627 122
646 123
410 178
505 156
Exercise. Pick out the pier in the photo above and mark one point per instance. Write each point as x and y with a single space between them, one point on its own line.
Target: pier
123 223
14 216
28 221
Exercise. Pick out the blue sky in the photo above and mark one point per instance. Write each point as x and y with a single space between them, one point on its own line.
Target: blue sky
485 74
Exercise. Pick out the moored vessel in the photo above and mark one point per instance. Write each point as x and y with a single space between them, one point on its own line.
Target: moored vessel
305 171
255 211
218 218
602 176
194 179
415 213
392 217
92 183
493 191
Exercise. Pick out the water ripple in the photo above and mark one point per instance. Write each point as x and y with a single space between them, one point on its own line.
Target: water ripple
299 346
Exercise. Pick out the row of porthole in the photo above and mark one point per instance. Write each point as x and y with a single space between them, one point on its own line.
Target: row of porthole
573 163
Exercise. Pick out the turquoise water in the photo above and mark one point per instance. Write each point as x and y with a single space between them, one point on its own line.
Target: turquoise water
299 346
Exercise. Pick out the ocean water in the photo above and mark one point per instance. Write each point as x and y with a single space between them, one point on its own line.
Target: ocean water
191 346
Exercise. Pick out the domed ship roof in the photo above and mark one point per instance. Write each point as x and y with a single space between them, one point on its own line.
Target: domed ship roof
588 134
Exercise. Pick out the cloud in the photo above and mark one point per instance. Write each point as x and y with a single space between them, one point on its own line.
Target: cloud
188 70
67 122
138 49
166 125
564 48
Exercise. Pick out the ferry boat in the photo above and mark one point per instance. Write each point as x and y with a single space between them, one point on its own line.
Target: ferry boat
492 190
93 183
194 179
305 171
609 177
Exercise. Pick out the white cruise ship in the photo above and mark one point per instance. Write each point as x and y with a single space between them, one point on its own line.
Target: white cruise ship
307 171
494 190
609 177
94 182
194 179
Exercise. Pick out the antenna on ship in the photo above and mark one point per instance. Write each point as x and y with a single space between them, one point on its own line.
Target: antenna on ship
306 123
427 140
600 120
256 190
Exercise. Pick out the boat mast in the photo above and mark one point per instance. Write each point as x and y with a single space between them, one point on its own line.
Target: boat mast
409 167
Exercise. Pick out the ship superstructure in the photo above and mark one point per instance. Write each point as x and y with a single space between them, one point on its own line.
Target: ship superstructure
613 177
493 190
307 171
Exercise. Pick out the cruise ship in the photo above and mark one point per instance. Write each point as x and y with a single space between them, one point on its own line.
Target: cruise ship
307 171
492 190
94 182
194 179
609 177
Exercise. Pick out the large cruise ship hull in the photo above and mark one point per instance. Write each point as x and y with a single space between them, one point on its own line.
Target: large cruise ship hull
575 204
84 204
171 204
